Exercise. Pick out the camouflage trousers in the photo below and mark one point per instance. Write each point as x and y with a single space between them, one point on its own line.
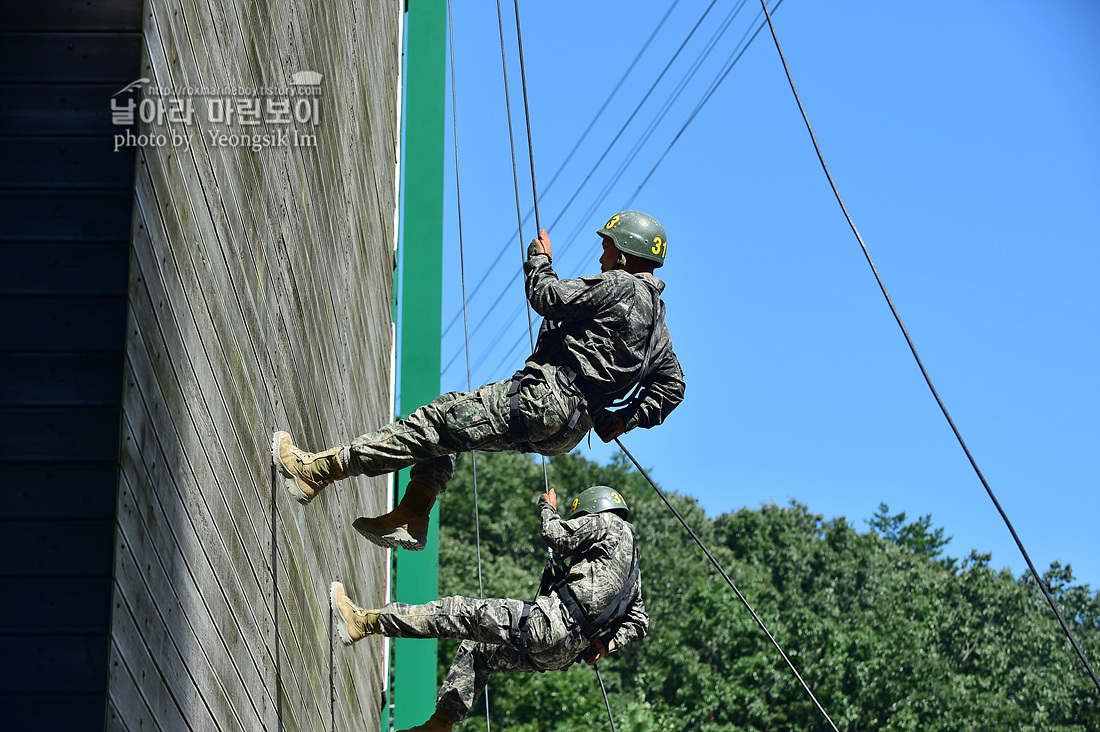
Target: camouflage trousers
430 438
488 631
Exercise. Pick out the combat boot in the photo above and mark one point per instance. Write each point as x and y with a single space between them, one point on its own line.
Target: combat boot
305 474
438 722
406 526
352 622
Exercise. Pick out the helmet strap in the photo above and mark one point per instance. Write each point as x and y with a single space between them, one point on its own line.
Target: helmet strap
621 261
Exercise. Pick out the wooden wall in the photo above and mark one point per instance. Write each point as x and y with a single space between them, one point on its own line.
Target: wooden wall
260 299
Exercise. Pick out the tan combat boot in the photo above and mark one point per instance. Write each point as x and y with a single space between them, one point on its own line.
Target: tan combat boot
352 622
406 526
305 474
438 722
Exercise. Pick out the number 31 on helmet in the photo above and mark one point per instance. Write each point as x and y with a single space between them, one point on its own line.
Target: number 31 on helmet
637 233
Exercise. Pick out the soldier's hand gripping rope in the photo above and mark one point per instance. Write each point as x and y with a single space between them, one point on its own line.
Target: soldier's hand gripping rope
603 359
590 605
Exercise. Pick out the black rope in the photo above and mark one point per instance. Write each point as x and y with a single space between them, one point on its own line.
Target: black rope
592 170
462 273
605 699
658 490
920 364
515 174
561 168
731 61
655 120
535 197
465 321
515 180
728 582
527 117
623 127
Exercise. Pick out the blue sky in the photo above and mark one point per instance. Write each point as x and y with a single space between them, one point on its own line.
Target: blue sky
964 139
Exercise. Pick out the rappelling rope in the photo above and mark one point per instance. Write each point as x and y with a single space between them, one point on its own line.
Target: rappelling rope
605 699
527 118
561 168
519 216
920 364
515 174
731 61
465 321
515 180
728 581
519 37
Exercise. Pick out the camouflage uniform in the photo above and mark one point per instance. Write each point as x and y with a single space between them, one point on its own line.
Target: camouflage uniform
601 547
605 323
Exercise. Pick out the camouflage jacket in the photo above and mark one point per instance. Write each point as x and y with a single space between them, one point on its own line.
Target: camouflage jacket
599 549
605 323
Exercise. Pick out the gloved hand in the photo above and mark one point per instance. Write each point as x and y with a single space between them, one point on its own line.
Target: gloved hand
595 652
608 425
541 245
552 499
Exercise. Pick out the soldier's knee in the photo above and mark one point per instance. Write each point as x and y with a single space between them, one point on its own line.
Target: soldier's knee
435 472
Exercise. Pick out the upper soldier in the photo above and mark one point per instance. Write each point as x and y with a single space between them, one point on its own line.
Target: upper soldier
588 607
603 360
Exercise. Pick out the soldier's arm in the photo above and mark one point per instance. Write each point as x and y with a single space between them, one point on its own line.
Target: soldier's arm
662 392
565 299
568 537
635 625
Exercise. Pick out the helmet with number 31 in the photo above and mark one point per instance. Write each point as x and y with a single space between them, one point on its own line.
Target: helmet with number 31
636 233
597 499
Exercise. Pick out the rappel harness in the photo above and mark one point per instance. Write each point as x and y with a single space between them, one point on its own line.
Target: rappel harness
607 624
604 627
550 342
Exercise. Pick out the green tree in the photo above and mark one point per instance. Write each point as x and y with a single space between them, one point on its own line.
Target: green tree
918 535
887 634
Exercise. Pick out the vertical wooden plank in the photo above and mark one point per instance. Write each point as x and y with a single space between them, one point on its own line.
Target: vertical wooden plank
129 694
260 299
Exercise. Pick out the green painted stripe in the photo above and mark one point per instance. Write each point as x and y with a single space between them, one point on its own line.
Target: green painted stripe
417 573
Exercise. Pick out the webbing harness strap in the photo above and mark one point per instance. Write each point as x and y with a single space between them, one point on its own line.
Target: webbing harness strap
517 430
647 360
616 609
550 342
518 631
568 377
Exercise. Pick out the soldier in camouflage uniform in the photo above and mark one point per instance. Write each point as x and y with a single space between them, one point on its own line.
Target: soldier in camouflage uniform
604 359
498 634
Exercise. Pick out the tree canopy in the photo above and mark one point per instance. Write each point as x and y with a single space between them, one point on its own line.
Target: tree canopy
889 634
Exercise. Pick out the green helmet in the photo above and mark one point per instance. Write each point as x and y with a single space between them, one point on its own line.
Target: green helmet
597 499
633 232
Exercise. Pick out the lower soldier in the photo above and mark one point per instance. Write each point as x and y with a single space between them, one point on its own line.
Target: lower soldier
604 360
587 608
